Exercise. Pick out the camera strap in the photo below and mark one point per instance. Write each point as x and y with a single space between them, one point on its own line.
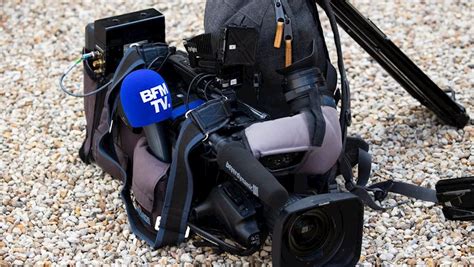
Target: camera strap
379 190
345 116
179 191
455 195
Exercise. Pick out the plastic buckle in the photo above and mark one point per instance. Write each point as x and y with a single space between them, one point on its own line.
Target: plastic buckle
457 198
379 194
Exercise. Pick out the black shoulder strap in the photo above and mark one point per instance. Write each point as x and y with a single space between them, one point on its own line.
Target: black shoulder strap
378 191
179 191
345 116
173 223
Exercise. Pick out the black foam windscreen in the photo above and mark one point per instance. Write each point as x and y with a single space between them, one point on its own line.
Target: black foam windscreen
238 162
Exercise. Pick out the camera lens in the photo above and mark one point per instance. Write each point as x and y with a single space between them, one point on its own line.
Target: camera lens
310 232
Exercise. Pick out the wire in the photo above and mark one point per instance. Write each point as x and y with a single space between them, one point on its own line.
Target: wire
156 59
205 89
186 102
200 77
70 68
153 62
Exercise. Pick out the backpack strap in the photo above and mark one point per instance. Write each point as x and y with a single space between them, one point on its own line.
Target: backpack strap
179 191
345 117
379 190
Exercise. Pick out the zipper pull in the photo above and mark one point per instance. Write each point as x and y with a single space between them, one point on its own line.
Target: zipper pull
288 42
280 21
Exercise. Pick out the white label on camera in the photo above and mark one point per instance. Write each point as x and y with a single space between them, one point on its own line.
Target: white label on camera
233 82
186 235
157 223
232 47
253 188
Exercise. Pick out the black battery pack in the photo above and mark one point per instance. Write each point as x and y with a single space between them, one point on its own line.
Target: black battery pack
113 35
457 198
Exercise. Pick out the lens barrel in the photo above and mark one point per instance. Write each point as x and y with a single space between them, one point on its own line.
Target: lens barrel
318 230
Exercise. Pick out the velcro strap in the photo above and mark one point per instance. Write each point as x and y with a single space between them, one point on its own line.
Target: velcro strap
295 93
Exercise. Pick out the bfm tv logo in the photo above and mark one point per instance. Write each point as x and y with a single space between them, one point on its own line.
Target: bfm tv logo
156 96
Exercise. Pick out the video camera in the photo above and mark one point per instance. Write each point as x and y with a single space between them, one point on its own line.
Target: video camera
237 196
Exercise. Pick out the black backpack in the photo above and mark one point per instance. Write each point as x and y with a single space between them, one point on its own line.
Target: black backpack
289 31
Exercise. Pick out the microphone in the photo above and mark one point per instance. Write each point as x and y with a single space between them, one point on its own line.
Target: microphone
240 163
146 101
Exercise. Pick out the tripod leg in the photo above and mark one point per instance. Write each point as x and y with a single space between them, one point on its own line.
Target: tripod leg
397 64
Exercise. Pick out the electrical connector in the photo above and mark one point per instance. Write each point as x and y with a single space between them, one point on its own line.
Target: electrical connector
93 55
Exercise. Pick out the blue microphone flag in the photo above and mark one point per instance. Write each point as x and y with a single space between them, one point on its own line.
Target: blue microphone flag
145 98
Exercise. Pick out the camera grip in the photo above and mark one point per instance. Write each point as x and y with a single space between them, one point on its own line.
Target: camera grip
239 162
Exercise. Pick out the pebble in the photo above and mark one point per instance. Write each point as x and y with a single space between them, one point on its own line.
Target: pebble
57 210
200 258
386 256
186 258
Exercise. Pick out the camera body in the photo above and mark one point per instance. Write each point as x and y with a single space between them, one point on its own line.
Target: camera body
332 221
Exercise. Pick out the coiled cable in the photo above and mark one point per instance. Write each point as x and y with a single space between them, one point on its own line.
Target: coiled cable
71 67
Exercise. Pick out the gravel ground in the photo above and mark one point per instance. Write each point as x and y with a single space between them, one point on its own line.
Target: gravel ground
55 209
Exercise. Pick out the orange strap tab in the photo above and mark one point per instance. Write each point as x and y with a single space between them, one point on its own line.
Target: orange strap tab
288 53
278 34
